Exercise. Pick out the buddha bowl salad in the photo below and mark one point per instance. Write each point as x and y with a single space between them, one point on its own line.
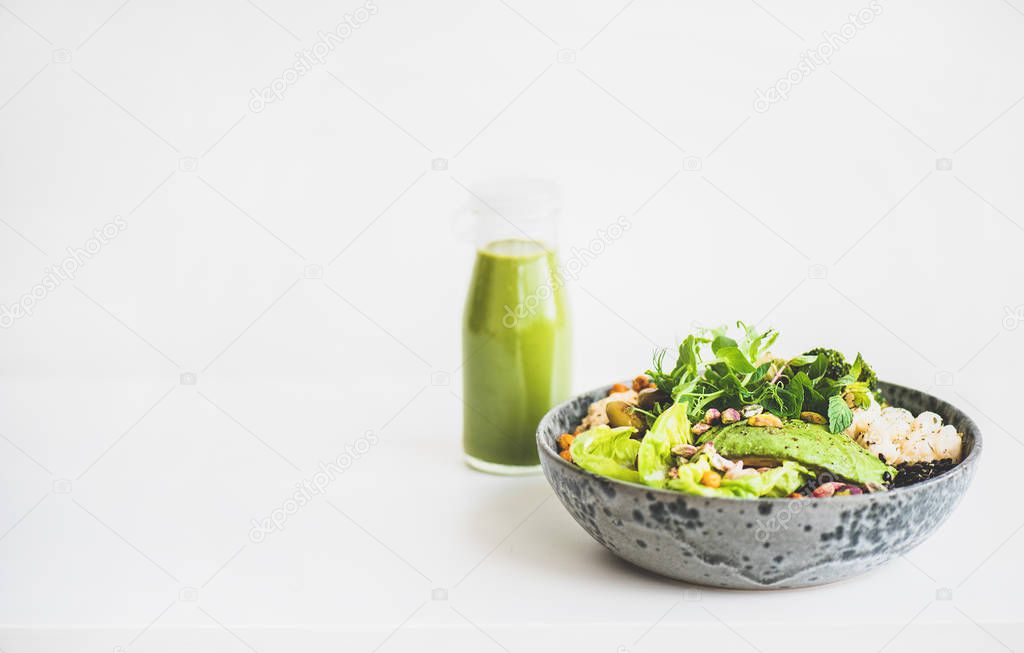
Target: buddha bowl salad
732 420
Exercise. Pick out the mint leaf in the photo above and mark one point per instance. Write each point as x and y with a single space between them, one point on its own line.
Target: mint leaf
839 414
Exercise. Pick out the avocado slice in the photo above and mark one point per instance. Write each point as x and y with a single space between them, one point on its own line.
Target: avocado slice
808 444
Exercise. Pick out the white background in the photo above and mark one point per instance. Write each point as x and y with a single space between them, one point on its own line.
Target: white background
121 486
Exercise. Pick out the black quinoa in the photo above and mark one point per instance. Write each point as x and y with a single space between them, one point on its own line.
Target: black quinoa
910 473
820 478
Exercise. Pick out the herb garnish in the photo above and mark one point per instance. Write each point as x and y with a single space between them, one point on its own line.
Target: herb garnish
713 370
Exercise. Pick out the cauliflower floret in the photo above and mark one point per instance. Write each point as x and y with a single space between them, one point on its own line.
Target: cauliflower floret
916 449
862 419
894 425
883 446
899 437
947 443
897 415
927 422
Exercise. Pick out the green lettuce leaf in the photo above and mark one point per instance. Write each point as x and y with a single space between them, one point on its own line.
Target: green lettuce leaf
689 479
607 452
780 481
655 456
776 482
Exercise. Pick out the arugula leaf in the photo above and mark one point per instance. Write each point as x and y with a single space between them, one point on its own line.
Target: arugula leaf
735 359
816 370
858 365
812 396
839 414
760 372
800 361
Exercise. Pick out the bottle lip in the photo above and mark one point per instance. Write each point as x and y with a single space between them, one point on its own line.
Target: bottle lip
515 248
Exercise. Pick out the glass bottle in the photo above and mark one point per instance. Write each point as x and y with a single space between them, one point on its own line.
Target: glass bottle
516 338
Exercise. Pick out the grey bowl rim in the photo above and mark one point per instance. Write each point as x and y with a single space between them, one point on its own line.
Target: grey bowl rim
545 449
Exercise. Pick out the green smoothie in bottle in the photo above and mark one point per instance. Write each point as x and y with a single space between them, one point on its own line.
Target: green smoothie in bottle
516 340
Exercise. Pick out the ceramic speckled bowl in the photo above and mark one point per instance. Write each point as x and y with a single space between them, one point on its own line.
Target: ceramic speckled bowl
756 543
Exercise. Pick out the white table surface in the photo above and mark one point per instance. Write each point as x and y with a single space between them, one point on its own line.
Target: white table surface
151 547
303 263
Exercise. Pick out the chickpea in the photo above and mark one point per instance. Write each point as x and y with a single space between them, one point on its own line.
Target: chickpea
711 478
641 382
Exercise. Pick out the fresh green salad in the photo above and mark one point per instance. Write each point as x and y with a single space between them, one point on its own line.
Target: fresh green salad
730 419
